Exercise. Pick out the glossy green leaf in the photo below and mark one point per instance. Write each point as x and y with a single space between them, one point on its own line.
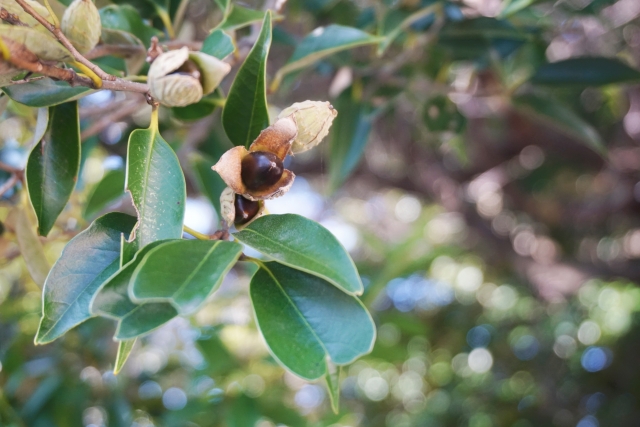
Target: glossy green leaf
555 114
332 377
112 300
304 320
53 166
245 113
349 136
125 18
200 109
157 186
187 284
321 43
209 182
124 350
109 189
29 243
595 71
45 92
85 263
240 17
133 63
305 245
218 44
42 124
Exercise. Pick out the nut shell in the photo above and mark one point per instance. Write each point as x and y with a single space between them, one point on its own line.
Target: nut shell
277 138
81 25
313 120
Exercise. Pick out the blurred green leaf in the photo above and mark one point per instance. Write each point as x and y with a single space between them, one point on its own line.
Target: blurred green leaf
109 189
321 43
209 182
304 320
392 33
592 71
218 44
218 358
29 243
200 109
332 377
133 63
305 245
85 263
125 17
112 300
240 17
440 114
186 285
349 137
550 111
245 113
53 166
157 186
45 92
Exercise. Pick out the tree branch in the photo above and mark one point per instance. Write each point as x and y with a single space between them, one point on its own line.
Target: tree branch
57 32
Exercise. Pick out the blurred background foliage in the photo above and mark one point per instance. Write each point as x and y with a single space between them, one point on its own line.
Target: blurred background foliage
483 178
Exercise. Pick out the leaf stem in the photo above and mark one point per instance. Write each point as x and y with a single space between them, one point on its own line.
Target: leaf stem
97 81
54 18
195 233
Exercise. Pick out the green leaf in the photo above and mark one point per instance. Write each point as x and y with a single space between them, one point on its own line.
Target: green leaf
45 92
112 300
42 124
157 186
108 190
416 16
124 350
595 71
200 109
245 113
86 262
321 43
209 182
52 168
332 377
349 137
472 39
218 44
303 244
186 285
29 243
126 18
555 114
240 17
304 320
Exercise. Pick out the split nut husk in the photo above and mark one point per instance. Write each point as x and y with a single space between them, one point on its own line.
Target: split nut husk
238 210
313 119
14 8
81 25
179 78
258 173
44 46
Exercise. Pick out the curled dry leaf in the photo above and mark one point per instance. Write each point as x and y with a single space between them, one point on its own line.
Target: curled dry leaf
276 139
313 120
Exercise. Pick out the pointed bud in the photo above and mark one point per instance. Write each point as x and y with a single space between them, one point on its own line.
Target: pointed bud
313 120
81 24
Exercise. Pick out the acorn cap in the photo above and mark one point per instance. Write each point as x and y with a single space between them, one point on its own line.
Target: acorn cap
313 120
81 25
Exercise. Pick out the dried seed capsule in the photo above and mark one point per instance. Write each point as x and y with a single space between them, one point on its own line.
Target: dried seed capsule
15 9
260 170
313 120
245 209
81 24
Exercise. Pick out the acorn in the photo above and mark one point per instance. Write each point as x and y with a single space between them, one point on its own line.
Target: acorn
179 78
238 210
81 25
258 173
313 120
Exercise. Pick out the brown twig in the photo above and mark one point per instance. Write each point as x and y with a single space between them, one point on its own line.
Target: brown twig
13 180
99 125
11 18
57 32
7 168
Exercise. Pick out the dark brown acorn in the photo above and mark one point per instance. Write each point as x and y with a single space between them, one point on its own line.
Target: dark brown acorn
260 170
245 210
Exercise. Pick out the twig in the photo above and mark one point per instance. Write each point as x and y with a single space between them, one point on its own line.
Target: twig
7 168
11 18
99 125
8 185
65 42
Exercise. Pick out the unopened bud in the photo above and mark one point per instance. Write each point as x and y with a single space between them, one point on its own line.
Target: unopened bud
178 78
81 24
15 9
313 120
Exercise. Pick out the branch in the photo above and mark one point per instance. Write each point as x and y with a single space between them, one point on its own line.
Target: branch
8 185
65 42
107 120
11 18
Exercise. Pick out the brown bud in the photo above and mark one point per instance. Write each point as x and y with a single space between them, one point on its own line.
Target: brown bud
313 120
